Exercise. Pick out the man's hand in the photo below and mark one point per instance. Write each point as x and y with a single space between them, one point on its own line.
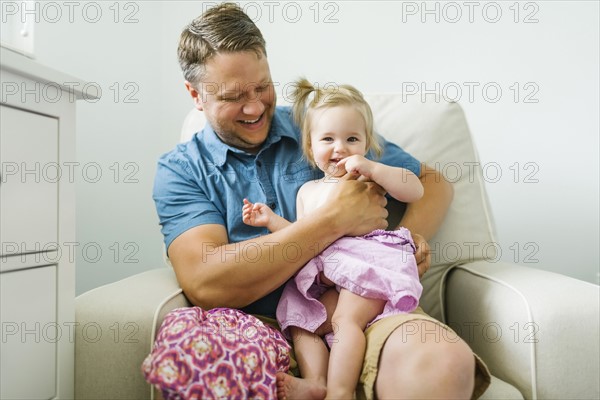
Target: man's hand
422 255
359 206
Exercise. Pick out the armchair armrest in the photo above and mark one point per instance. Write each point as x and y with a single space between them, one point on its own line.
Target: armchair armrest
536 330
115 326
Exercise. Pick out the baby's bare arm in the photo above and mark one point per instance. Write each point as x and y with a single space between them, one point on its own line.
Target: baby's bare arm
259 214
400 183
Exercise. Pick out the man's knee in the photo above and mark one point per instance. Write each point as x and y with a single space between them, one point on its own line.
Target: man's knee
412 362
425 341
458 355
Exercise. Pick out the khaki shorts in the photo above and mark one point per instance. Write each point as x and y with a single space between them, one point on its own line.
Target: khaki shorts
378 333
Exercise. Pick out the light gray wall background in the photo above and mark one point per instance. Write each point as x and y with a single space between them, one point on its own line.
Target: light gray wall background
526 74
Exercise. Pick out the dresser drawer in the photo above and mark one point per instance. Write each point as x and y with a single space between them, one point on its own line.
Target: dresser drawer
29 333
29 179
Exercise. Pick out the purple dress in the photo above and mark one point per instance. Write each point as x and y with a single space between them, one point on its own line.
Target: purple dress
378 265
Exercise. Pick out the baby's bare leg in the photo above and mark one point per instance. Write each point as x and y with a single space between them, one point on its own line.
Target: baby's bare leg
311 353
350 318
312 356
329 300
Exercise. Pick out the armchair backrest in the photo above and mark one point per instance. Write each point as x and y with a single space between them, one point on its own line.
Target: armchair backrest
438 134
435 133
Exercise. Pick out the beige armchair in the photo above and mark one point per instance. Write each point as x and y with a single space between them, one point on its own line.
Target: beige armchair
536 330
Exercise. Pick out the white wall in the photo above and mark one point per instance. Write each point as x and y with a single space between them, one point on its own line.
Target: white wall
540 133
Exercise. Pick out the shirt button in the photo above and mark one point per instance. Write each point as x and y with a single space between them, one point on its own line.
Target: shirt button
259 164
272 206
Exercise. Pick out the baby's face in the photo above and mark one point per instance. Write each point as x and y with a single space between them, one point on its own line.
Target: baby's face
336 133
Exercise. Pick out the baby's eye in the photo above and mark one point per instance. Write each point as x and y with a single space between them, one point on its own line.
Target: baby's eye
326 139
353 139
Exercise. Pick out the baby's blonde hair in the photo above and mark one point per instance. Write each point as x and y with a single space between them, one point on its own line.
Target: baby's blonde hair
328 97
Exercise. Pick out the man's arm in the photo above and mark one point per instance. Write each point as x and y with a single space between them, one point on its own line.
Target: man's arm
215 273
424 217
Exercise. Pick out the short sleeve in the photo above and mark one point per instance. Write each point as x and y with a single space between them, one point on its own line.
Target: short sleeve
181 201
395 156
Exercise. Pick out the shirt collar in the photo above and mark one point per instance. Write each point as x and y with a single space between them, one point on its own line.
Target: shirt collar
219 150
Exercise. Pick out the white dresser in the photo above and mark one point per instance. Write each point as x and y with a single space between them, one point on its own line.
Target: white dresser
37 228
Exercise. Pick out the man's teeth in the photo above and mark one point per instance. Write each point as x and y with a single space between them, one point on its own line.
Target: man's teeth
251 122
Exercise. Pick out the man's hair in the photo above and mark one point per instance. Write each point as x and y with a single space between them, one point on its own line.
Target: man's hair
224 28
328 97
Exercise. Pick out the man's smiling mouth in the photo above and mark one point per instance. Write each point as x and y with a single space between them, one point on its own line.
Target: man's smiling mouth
250 122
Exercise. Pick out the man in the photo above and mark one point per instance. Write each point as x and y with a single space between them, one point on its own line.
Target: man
251 149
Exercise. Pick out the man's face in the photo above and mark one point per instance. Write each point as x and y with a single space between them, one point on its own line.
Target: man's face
238 98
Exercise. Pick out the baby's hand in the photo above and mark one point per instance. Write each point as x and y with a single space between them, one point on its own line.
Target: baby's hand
357 164
256 214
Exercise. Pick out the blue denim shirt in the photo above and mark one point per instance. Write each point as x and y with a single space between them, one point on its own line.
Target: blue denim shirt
204 181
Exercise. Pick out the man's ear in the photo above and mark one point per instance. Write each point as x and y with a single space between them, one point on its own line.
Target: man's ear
196 96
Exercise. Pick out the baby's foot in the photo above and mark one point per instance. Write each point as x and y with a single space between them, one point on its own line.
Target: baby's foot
292 388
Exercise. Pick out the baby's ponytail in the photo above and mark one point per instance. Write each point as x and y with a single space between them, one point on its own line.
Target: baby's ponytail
302 89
